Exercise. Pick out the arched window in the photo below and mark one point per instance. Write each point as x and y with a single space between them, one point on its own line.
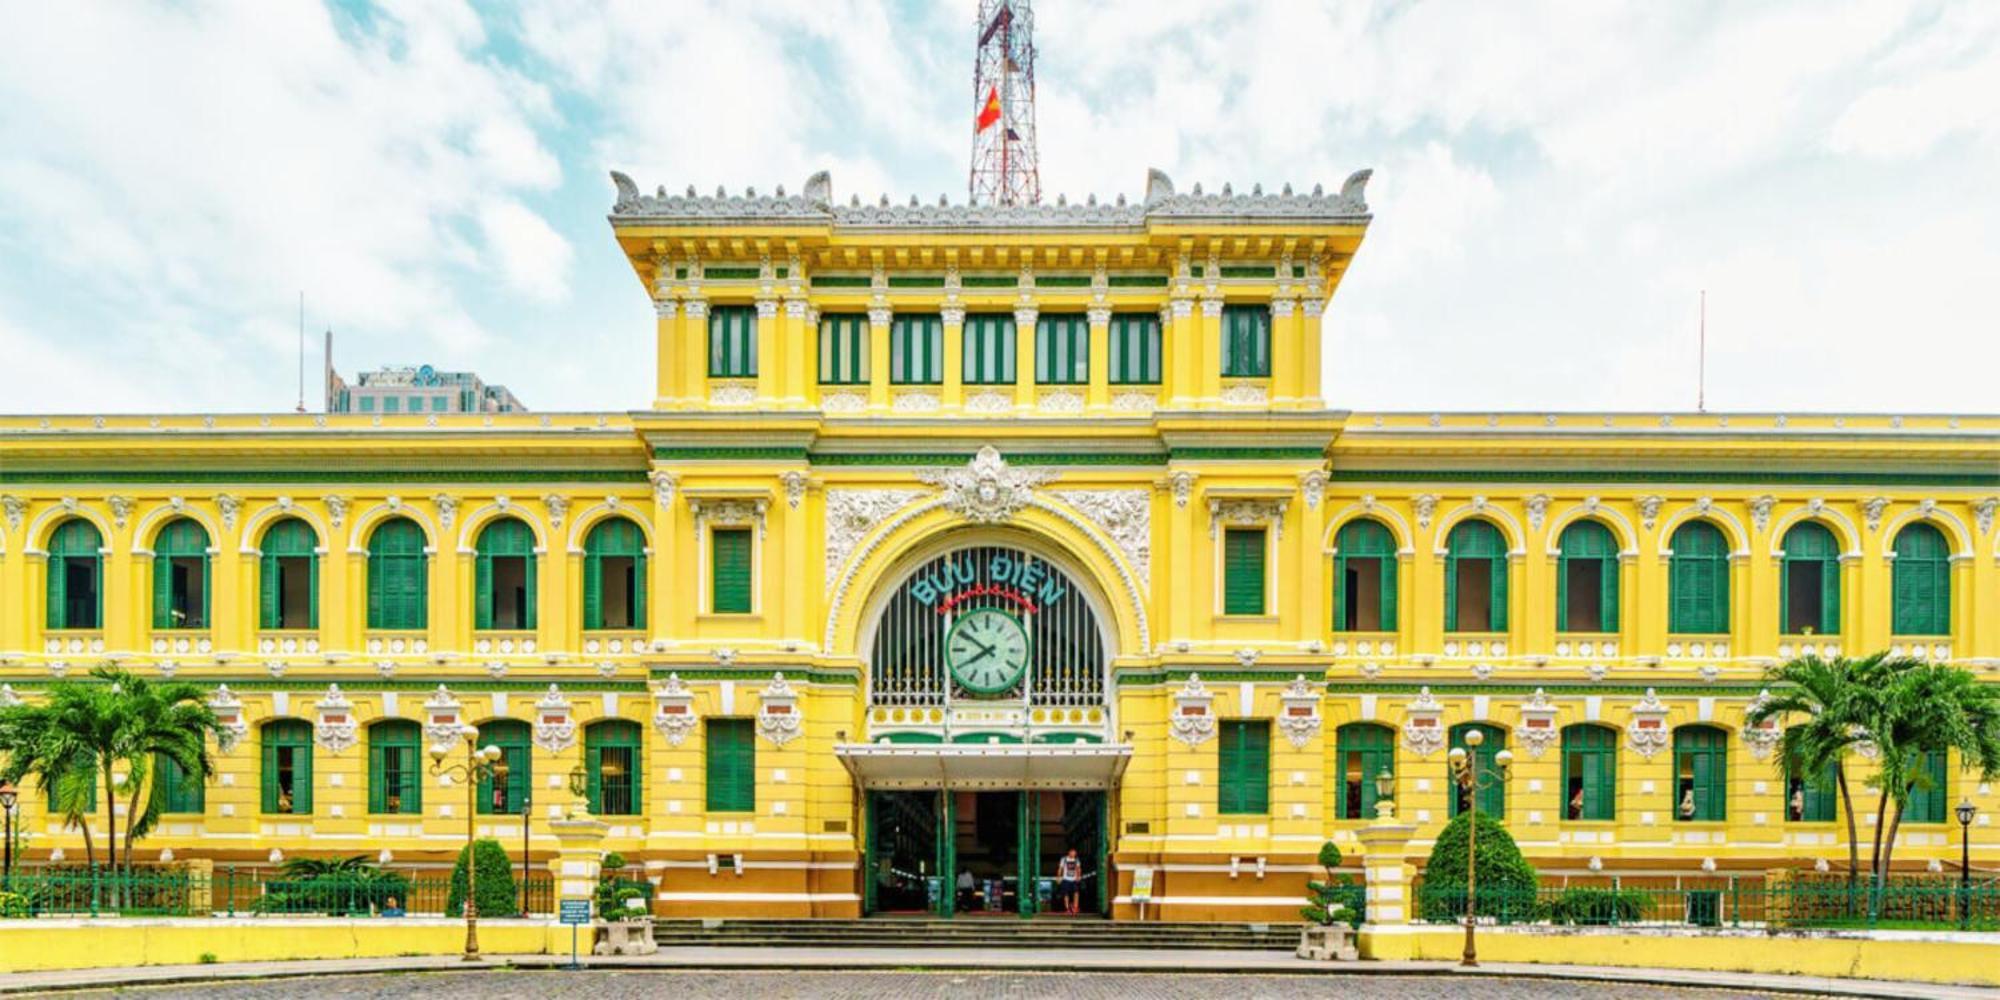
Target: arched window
1364 577
504 584
1812 800
1701 773
1922 582
1811 584
506 791
1492 791
1587 579
395 768
398 576
176 790
1475 578
288 767
1698 580
1362 751
76 576
611 764
1590 772
614 576
288 577
180 575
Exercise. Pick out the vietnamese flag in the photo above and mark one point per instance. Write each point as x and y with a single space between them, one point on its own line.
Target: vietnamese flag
990 112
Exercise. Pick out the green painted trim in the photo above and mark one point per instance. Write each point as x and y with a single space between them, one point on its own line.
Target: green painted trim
962 457
357 683
1656 476
756 674
1275 675
728 273
989 281
985 737
1136 280
780 453
1747 689
1062 281
439 476
912 737
1249 272
1250 454
840 281
916 281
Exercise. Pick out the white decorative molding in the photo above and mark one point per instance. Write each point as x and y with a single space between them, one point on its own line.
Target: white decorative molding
1983 511
1061 401
1763 737
1872 510
1649 510
230 506
673 710
8 699
732 394
1760 510
851 514
558 505
1134 402
1425 505
442 717
842 401
1312 483
15 509
729 511
1647 732
795 483
778 713
447 508
336 508
1245 512
989 401
121 509
1181 482
335 730
1300 719
987 490
664 483
231 727
1423 724
555 724
1126 516
1194 713
1537 731
916 402
1246 394
1538 510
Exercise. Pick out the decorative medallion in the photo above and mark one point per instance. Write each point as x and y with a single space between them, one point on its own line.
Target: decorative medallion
1538 510
1245 512
447 508
1760 511
1313 484
663 485
14 508
1423 724
1983 511
555 727
1194 713
1872 510
1126 516
1649 510
673 710
558 505
1425 505
1300 720
336 729
230 507
1245 394
1537 731
1181 481
778 714
1061 401
916 402
121 509
1647 732
986 491
442 717
795 483
1761 737
1134 402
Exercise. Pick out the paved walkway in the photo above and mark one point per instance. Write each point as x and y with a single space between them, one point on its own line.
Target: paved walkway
1087 961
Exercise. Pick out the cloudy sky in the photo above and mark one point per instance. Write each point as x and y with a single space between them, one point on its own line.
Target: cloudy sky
1554 183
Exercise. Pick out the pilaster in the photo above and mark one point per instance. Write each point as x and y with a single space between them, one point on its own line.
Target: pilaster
1024 356
770 366
1286 356
953 391
1209 342
1183 360
1311 352
1098 395
694 347
878 357
668 359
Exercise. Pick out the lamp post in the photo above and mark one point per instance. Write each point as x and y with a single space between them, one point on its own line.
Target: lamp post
480 764
8 796
1964 810
1385 795
1470 778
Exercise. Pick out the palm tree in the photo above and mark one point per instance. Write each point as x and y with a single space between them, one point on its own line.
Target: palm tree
1929 708
1831 696
160 720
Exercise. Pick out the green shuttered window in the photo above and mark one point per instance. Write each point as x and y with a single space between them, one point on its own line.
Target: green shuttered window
76 576
1475 578
1589 772
1362 750
1062 349
730 570
1922 582
1701 774
175 788
611 767
1492 791
843 349
287 768
288 577
1698 580
504 577
1245 764
1246 341
1135 349
989 349
1587 579
916 350
1929 799
1243 551
1364 577
614 576
505 793
1809 587
398 576
732 765
395 776
732 342
1816 801
181 576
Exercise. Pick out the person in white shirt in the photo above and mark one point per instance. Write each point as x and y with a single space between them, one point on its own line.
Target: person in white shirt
1069 882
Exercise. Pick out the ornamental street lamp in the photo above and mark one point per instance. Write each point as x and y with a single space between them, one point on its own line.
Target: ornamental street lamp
1964 810
481 764
8 796
1471 778
1385 794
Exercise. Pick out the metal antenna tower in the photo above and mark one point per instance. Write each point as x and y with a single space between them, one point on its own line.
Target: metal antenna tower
1005 166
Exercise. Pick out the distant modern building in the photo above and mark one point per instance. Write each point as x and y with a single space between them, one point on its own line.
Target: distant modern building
417 389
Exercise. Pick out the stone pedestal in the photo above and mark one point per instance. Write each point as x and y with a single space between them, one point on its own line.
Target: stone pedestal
624 937
1386 866
1327 943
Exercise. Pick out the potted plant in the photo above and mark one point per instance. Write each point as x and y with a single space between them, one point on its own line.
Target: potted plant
1330 913
624 915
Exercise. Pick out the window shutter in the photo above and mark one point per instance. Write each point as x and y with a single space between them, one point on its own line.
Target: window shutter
482 592
1608 613
417 593
1388 588
732 766
1340 593
378 792
268 775
302 766
1562 593
1243 571
1499 616
593 592
378 569
533 565
312 591
1829 610
731 571
267 591
638 591
58 616
594 777
163 577
1451 593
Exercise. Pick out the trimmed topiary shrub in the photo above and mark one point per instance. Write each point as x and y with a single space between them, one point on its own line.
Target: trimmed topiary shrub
1335 900
1506 880
498 895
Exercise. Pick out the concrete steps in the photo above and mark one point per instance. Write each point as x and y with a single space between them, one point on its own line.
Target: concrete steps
976 932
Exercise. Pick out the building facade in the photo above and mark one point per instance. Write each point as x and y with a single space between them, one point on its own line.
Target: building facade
416 389
958 538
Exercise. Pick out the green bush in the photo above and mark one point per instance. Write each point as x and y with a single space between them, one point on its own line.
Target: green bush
13 904
1506 880
1585 905
612 894
613 861
1335 900
498 895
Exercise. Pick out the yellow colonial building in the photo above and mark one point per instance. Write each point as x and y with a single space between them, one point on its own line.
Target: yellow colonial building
956 538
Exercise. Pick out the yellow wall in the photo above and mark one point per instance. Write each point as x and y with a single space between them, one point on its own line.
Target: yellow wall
41 945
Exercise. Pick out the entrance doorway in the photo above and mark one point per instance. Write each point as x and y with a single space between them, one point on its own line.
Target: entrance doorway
983 853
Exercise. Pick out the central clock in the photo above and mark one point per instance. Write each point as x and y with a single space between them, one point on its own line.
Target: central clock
987 650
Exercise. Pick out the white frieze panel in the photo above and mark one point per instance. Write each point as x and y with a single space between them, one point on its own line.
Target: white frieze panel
1124 515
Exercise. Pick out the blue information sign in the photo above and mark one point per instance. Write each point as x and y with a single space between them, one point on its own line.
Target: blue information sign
576 911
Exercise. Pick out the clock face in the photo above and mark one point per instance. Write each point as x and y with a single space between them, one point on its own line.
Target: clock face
987 650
